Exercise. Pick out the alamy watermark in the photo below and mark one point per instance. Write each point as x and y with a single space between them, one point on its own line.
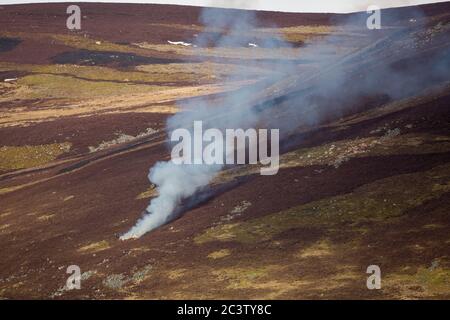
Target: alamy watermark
74 280
374 280
215 147
73 22
374 20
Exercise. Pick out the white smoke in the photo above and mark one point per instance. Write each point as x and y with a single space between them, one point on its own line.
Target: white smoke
175 183
333 89
178 182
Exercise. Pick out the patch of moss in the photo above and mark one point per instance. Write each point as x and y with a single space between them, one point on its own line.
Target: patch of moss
149 193
176 273
80 42
204 72
242 277
219 254
12 158
46 217
320 249
262 281
377 201
426 282
58 86
74 41
224 52
95 247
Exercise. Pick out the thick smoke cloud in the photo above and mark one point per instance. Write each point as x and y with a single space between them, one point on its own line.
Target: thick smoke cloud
176 182
385 66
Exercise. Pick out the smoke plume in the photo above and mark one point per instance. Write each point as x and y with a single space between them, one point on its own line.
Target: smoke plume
382 64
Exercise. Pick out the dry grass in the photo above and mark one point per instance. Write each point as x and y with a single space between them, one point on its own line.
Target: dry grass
141 102
219 254
424 283
94 247
149 193
46 217
320 249
204 72
231 53
13 158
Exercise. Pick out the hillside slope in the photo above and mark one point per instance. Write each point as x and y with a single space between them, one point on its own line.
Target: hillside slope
368 184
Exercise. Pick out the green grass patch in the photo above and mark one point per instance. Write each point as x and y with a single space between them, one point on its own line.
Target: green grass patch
377 201
12 158
57 86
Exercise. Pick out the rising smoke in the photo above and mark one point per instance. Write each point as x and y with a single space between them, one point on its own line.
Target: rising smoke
337 83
